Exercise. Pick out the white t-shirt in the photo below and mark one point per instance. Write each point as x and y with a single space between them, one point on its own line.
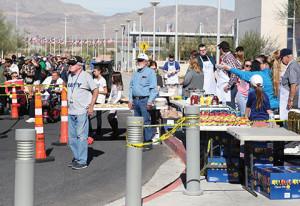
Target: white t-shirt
48 81
13 68
100 84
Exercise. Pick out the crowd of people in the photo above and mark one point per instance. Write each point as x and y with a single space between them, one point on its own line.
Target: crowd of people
256 87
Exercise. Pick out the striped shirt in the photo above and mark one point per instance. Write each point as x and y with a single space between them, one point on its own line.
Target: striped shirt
231 61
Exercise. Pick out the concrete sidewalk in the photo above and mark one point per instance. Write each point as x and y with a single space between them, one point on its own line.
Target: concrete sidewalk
213 193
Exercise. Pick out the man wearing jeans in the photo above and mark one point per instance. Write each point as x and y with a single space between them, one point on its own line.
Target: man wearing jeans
82 95
142 92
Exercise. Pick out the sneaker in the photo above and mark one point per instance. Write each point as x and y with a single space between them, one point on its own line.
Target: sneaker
30 120
78 166
156 137
294 150
72 164
147 147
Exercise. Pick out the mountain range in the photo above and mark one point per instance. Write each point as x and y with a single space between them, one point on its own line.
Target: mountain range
47 19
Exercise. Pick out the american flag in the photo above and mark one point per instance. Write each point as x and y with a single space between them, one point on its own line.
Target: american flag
170 27
85 41
33 39
111 40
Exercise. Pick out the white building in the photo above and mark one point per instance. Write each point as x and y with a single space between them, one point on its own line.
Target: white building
262 16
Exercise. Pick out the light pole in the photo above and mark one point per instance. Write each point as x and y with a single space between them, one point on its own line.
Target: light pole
122 52
128 40
116 50
176 32
65 31
140 13
218 31
154 4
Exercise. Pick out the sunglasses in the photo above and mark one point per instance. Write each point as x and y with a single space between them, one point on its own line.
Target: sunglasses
247 65
140 60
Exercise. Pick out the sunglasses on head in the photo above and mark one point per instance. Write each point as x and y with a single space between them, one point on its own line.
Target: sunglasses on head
140 60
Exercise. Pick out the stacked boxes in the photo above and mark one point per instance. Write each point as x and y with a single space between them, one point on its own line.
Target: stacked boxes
282 182
229 174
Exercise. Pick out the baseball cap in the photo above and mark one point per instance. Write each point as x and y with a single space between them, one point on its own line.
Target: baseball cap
48 54
28 58
224 45
284 52
143 56
256 80
75 60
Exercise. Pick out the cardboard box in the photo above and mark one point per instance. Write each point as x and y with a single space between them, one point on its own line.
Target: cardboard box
230 174
279 182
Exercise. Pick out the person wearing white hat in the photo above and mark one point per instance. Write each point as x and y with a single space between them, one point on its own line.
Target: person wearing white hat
258 101
142 92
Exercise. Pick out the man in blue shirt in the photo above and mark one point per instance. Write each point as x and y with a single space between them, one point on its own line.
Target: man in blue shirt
92 64
142 92
171 69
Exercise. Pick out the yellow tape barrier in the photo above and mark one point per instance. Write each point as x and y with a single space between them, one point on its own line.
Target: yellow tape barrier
180 124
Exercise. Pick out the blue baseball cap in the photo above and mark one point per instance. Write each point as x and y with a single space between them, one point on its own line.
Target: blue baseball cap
48 54
284 52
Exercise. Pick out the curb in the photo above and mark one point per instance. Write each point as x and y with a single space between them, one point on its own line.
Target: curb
178 148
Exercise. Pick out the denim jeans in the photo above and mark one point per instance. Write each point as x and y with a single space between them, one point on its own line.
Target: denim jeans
233 94
241 102
78 129
140 110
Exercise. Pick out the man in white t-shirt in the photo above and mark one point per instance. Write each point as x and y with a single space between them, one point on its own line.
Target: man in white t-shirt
11 67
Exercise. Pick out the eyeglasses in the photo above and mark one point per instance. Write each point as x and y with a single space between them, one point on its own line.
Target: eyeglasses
246 65
202 50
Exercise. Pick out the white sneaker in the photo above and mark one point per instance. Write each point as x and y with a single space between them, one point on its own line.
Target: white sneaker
294 150
30 120
156 137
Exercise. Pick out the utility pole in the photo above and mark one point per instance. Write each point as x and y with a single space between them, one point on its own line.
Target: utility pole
16 18
65 31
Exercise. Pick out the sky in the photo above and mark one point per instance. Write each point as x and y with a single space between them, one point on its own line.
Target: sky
112 7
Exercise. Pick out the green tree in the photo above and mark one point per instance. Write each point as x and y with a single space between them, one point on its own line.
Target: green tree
255 45
9 40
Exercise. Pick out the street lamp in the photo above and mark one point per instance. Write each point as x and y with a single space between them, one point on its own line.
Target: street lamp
116 50
176 32
218 31
140 13
154 4
122 52
128 40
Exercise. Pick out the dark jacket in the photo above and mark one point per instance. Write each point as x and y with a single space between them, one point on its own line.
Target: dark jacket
210 58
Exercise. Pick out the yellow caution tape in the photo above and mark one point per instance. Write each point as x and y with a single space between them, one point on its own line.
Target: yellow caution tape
162 138
180 125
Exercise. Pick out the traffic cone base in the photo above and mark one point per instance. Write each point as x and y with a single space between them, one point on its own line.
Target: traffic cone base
47 159
64 120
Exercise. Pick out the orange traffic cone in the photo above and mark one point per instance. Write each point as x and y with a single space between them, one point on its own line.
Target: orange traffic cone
64 120
14 105
40 155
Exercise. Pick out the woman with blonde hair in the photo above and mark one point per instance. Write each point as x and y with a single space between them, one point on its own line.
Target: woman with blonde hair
195 77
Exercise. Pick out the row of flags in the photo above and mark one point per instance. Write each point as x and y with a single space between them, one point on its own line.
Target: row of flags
44 40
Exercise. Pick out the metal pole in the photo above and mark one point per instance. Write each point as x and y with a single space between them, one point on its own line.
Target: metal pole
140 13
176 32
65 32
16 18
128 40
154 4
116 50
134 162
24 167
218 31
192 153
122 52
